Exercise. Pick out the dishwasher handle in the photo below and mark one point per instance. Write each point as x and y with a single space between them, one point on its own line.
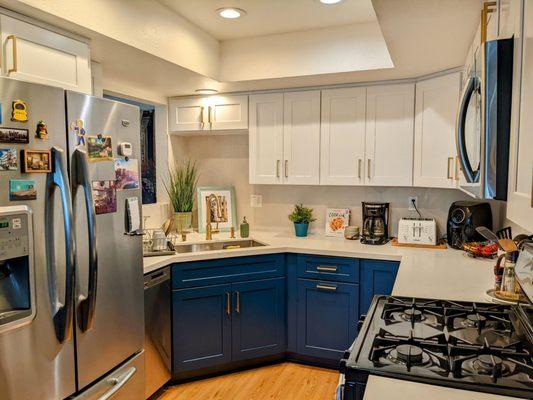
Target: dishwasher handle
156 278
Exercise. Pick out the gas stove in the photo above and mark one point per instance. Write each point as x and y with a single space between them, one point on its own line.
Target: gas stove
471 346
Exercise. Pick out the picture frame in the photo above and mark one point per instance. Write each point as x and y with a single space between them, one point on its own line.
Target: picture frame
36 161
99 148
228 217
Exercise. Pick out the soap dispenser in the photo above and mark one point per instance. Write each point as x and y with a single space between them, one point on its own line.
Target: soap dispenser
245 228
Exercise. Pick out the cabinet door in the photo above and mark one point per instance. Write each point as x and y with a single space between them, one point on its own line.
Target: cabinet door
520 196
389 135
34 54
228 112
343 137
327 318
266 138
258 325
436 108
301 137
187 114
377 278
201 327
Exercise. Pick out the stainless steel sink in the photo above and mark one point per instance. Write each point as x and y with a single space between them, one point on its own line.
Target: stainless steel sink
211 246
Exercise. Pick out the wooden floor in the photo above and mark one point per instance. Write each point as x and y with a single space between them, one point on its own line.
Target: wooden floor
285 381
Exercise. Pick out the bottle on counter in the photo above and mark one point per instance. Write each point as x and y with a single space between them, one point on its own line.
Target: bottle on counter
509 283
498 273
245 228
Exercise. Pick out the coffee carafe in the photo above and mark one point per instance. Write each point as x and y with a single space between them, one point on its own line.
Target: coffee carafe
375 223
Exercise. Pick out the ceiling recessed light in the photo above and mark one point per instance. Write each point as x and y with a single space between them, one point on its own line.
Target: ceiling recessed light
206 91
231 12
330 1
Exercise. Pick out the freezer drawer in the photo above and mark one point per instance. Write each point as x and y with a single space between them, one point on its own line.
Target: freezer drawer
125 383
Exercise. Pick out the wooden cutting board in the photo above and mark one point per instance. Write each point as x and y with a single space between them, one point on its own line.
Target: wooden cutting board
439 246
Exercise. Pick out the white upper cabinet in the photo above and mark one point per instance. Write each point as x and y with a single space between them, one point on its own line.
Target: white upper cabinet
228 112
212 113
436 108
301 137
34 54
389 135
520 193
187 114
343 137
266 138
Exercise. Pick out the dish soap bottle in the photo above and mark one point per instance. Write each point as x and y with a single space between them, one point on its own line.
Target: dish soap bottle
245 228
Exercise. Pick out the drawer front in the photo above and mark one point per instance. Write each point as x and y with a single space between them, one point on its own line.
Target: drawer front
328 268
227 270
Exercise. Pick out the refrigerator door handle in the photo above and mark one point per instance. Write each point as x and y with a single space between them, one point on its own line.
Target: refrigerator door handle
62 312
117 383
80 177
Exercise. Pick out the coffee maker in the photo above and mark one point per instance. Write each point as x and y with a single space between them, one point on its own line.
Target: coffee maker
375 223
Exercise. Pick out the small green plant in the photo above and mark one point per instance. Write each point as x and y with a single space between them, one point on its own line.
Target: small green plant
301 214
181 186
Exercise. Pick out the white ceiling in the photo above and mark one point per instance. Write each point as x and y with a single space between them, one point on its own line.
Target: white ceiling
265 17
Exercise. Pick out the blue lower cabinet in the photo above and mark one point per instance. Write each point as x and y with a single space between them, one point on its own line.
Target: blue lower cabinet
201 327
377 278
258 319
327 318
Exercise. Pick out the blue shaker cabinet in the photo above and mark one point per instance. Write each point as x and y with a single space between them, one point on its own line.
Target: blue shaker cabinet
258 319
377 278
201 327
327 318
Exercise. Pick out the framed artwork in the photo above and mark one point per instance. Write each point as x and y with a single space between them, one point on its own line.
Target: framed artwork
222 212
36 161
14 135
99 148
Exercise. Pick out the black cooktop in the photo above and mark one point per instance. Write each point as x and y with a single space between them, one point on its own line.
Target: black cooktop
473 346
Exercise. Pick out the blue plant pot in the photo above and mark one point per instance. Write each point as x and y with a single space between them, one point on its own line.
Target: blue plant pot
301 229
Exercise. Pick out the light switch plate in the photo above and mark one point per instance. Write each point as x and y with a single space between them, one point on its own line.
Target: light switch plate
256 201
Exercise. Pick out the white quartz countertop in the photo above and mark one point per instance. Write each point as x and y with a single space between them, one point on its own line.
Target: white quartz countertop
440 274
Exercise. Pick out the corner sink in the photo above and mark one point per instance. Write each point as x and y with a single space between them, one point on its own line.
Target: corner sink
212 246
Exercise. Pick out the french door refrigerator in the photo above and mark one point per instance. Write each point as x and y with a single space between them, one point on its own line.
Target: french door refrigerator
71 302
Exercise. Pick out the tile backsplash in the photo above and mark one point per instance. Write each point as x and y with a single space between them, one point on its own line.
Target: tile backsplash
223 160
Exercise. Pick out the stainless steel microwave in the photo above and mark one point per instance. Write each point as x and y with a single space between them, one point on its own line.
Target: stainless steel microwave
483 122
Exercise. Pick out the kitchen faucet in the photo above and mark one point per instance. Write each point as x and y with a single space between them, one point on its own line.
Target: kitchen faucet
208 228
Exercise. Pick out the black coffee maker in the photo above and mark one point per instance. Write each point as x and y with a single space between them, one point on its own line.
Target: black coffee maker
375 223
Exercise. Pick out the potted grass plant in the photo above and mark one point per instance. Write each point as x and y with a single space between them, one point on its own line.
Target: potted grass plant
181 188
301 217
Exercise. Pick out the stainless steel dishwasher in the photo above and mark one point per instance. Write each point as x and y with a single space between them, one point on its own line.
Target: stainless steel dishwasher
157 340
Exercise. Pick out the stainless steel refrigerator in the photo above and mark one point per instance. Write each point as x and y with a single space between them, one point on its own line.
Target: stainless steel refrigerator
71 279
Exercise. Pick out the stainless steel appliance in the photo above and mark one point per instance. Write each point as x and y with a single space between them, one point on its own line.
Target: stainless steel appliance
483 122
81 335
463 219
375 223
157 340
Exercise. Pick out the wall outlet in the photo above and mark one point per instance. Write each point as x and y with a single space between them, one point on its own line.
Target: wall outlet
411 199
256 201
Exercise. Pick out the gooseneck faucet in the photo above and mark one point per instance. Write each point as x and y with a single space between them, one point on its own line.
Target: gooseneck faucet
208 228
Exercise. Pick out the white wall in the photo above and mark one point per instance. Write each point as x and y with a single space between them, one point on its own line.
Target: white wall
223 160
146 25
319 51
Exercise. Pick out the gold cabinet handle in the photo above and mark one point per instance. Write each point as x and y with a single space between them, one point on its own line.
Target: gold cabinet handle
331 288
449 172
209 117
277 168
286 168
368 165
15 63
359 163
202 123
237 302
326 268
457 168
228 303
